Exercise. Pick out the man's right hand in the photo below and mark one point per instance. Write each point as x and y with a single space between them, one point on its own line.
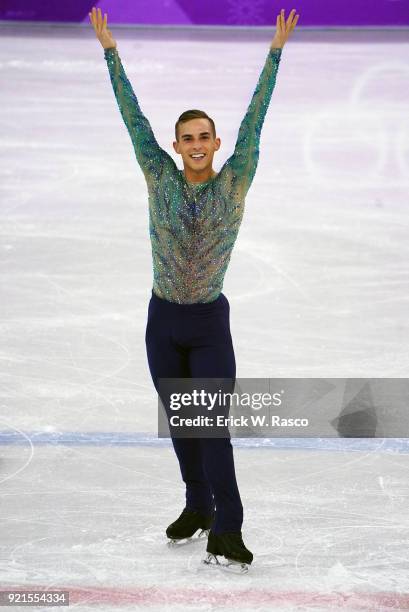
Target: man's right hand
100 26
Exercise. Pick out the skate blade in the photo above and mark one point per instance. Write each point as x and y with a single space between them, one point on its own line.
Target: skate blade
228 565
202 535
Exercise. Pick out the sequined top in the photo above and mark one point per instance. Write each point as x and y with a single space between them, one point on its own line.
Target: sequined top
193 226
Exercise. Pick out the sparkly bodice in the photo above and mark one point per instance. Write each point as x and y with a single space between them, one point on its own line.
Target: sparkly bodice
193 226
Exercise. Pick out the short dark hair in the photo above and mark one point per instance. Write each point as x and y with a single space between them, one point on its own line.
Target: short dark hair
194 114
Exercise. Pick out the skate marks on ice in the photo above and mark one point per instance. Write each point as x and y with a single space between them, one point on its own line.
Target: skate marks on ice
14 463
324 229
321 255
318 260
319 533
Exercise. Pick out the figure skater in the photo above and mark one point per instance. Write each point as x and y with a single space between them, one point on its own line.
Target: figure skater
194 219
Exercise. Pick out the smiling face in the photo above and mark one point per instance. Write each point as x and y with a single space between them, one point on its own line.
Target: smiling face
197 144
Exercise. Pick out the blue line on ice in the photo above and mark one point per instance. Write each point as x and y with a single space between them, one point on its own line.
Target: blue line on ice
109 438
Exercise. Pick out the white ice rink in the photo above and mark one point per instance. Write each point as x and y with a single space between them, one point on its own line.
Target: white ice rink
318 286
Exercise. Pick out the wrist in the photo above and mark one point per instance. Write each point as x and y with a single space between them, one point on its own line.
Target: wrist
109 52
276 44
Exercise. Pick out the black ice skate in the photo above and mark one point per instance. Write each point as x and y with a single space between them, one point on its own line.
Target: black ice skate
184 528
232 548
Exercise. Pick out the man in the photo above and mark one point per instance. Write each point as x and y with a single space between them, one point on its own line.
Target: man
195 215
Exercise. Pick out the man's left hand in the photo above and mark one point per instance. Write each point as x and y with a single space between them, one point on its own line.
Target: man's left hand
284 29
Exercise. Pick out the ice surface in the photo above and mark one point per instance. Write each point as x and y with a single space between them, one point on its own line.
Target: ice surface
318 287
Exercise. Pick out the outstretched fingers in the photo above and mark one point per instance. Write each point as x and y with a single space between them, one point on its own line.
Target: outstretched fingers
94 18
278 24
282 21
286 27
293 21
99 20
98 23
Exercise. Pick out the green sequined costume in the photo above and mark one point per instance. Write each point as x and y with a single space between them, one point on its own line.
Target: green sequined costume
193 226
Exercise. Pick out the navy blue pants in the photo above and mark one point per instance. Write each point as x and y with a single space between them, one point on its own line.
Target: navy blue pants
194 340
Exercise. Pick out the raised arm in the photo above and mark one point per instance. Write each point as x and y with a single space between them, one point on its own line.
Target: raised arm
242 164
150 156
